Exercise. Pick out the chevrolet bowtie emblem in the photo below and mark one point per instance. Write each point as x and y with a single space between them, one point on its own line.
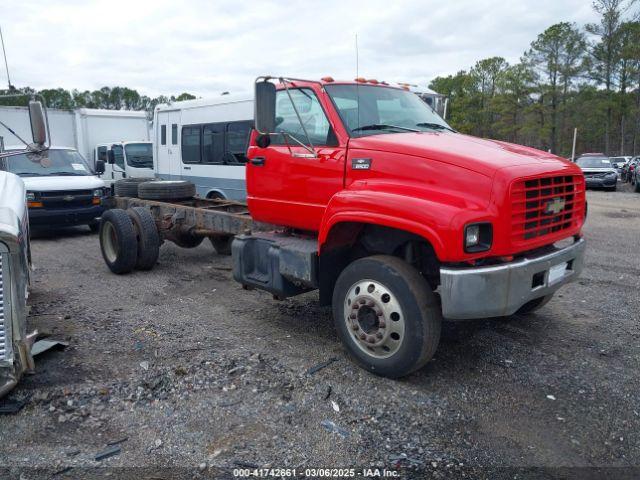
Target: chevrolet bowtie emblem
554 206
68 198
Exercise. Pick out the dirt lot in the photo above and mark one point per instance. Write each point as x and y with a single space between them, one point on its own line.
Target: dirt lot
195 377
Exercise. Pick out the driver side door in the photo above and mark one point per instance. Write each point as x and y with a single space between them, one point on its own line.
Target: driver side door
285 185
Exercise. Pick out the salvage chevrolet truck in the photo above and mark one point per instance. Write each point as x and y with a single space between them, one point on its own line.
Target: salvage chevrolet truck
359 190
15 264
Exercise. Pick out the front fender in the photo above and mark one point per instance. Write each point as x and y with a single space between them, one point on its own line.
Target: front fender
432 218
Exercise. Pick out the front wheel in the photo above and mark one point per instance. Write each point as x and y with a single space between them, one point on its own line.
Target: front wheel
386 315
534 305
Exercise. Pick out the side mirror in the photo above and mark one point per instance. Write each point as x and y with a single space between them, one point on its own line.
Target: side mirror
38 123
111 157
100 167
265 107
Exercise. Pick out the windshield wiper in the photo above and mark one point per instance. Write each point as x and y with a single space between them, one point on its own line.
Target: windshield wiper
383 126
435 126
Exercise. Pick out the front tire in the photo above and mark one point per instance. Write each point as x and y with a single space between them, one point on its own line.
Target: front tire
386 315
534 305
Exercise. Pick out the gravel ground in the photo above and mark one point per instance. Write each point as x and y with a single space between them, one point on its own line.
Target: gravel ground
194 376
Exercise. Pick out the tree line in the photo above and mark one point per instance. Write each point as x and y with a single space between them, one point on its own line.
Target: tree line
571 77
110 98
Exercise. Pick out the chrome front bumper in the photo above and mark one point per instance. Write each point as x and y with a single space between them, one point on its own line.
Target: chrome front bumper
500 290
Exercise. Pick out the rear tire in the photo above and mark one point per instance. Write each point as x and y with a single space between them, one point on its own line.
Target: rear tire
147 236
187 240
118 241
534 305
386 315
222 244
167 190
128 187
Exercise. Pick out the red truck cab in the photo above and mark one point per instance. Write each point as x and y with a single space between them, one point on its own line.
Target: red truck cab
400 220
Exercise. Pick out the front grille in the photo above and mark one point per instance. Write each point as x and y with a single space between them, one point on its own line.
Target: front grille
595 175
3 327
546 205
66 199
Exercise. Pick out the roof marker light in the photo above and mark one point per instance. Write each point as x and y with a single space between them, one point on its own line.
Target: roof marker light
361 80
374 81
327 79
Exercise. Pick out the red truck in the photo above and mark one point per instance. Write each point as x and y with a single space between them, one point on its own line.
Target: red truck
358 189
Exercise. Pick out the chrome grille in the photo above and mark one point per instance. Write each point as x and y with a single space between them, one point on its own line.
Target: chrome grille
3 326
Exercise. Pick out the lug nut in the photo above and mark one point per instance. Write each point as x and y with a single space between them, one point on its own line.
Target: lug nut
355 326
371 339
363 336
379 335
382 324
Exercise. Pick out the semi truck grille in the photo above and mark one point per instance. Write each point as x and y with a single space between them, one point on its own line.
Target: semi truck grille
546 205
3 326
66 199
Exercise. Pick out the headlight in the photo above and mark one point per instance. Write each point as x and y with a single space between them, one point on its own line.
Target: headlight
98 192
31 196
478 237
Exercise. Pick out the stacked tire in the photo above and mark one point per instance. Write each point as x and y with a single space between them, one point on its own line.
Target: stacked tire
166 190
128 187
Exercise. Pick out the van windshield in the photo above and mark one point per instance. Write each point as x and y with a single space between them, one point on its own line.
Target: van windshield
48 163
373 110
139 155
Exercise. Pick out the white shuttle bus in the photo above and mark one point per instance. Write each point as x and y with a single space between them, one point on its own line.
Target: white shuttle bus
205 142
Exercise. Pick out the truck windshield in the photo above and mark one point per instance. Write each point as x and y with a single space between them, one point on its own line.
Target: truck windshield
47 164
374 110
593 162
139 155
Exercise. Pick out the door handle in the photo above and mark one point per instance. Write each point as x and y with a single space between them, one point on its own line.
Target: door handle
258 161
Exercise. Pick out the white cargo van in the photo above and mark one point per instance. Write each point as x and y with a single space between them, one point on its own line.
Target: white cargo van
204 141
128 160
61 188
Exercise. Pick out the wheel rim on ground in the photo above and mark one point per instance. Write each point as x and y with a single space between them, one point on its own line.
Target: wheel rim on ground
110 242
374 318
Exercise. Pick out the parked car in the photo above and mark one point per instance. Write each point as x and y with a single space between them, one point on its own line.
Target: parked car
61 188
619 163
632 170
598 171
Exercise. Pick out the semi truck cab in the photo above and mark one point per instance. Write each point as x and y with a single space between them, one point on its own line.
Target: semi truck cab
115 161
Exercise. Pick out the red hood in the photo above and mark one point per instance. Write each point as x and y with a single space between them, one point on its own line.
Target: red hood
477 154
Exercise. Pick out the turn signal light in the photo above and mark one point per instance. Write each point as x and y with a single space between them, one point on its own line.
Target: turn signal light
34 204
95 201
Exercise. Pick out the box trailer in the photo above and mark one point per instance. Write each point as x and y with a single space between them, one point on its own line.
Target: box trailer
81 129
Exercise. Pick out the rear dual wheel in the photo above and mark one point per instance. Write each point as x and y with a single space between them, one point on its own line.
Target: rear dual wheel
386 315
129 239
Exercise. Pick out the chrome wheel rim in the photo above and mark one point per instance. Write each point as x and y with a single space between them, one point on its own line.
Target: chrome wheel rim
374 318
109 242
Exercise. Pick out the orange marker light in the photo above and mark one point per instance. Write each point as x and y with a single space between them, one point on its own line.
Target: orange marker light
361 80
34 204
374 81
95 201
327 79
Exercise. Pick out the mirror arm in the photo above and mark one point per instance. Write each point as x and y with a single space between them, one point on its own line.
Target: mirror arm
311 148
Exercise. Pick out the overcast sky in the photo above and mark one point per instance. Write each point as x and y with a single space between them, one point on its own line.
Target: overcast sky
207 46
